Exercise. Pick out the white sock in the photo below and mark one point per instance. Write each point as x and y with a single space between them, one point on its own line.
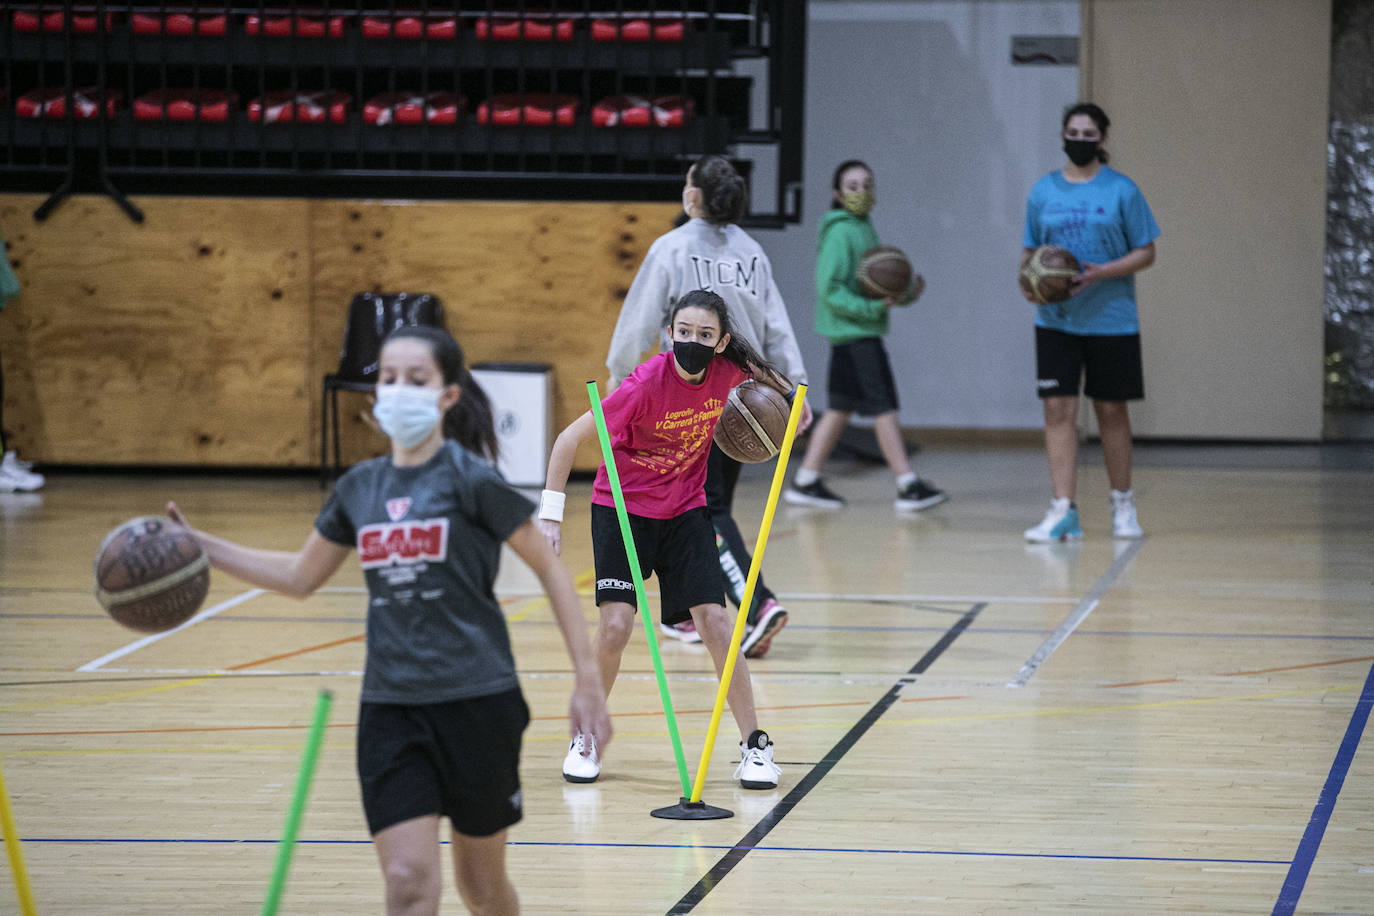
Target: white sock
806 478
1123 497
906 480
1061 504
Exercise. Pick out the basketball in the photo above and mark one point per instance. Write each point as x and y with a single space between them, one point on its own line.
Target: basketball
884 273
1048 273
151 574
753 423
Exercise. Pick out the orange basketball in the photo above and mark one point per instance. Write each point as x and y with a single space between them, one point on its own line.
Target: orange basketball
753 423
1048 274
151 574
884 272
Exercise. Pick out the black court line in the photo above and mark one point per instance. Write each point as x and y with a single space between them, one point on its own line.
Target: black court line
751 840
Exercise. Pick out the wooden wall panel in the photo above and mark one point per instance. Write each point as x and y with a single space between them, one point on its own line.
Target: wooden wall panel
529 282
200 337
182 340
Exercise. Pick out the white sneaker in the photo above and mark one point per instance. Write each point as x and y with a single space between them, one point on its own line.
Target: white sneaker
1124 522
15 475
685 631
1059 524
579 768
756 768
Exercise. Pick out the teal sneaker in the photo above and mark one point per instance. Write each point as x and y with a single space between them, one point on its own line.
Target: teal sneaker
1059 524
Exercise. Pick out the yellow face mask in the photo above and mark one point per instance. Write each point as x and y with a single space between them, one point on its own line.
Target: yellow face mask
858 202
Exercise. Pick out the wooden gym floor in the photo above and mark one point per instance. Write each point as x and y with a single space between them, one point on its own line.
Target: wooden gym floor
966 723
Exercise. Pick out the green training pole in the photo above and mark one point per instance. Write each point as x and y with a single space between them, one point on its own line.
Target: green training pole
16 853
297 810
728 670
643 599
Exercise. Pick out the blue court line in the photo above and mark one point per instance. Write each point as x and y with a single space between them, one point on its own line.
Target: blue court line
1014 631
1326 802
759 849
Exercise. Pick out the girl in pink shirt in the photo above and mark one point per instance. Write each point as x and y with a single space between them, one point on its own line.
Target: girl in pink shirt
661 420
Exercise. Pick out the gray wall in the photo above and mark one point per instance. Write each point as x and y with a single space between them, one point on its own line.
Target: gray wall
925 91
926 94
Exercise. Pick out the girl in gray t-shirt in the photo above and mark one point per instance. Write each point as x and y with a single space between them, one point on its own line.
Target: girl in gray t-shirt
441 711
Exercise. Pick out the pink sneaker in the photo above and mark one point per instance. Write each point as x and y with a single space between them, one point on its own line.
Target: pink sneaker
772 618
685 631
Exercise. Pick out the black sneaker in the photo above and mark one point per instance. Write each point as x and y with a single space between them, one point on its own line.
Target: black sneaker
918 495
815 493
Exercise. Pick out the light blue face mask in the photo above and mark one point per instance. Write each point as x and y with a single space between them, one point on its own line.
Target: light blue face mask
407 413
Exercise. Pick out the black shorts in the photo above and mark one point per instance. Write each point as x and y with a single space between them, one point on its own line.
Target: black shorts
459 759
681 551
1109 365
860 379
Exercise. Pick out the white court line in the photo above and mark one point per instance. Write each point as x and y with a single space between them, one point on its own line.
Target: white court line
929 599
149 640
1076 616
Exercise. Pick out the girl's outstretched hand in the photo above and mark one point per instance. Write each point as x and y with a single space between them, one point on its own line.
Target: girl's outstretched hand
553 533
587 714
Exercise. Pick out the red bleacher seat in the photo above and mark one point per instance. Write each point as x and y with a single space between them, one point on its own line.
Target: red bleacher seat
51 102
637 29
307 107
83 21
185 105
179 23
411 25
639 111
530 27
305 26
413 108
533 108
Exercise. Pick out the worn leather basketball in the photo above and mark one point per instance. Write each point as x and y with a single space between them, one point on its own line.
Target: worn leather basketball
1047 276
884 272
151 574
753 423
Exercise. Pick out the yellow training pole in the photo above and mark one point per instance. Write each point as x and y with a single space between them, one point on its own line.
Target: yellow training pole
21 877
779 475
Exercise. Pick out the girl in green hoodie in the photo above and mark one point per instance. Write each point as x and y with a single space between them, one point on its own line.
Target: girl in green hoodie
860 379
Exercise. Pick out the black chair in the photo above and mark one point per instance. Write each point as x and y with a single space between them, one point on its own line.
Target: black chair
371 316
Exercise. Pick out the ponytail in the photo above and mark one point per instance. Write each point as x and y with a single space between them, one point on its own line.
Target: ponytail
724 196
470 422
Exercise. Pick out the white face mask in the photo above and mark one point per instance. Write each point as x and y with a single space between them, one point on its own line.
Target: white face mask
686 201
407 413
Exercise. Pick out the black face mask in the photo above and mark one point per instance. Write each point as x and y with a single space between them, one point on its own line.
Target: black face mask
1081 152
692 356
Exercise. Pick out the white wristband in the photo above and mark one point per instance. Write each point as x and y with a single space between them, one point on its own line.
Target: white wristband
551 505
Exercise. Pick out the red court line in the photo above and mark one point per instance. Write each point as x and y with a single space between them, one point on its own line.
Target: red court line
247 728
275 658
173 731
1343 661
1163 680
330 645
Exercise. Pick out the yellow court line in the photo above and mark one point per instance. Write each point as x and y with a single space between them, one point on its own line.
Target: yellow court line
529 606
112 696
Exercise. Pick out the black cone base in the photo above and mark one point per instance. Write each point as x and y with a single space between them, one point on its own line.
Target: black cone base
686 810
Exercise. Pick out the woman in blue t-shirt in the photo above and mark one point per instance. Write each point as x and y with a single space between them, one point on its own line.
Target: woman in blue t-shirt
441 712
1093 338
